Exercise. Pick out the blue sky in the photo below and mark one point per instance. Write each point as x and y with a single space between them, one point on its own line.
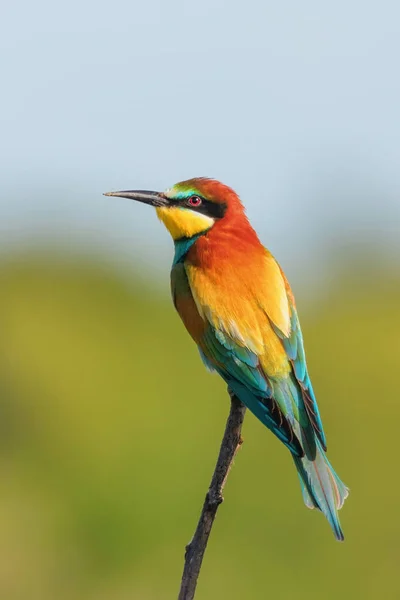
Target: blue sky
294 104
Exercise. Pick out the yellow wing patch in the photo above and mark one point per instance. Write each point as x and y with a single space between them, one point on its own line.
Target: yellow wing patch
183 222
272 295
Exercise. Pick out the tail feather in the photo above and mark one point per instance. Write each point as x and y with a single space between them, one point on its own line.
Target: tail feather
322 488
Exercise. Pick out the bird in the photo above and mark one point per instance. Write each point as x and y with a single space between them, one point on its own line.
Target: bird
237 305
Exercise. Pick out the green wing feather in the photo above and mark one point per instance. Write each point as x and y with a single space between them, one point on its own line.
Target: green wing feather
240 368
294 347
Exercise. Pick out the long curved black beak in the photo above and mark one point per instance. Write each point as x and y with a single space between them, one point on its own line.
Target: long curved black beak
152 198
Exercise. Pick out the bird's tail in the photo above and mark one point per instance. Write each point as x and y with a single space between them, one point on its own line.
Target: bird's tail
322 487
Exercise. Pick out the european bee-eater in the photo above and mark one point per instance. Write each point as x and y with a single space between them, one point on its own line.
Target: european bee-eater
237 305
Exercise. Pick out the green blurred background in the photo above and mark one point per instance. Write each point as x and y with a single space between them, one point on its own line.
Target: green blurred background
109 423
110 428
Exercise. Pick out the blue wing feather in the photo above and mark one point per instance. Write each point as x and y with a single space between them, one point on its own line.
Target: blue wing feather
239 367
294 347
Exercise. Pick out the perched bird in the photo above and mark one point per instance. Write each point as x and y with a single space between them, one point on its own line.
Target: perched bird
237 305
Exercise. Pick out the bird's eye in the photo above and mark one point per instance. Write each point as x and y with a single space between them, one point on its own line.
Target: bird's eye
194 201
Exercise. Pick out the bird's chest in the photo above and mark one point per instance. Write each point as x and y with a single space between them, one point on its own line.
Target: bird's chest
185 304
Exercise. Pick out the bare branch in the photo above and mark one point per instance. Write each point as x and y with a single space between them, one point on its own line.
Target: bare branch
231 443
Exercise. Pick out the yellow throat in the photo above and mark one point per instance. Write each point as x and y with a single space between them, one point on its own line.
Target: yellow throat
183 222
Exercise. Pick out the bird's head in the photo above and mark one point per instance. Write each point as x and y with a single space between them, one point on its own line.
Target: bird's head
190 208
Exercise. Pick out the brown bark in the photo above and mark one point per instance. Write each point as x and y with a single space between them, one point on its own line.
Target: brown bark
231 443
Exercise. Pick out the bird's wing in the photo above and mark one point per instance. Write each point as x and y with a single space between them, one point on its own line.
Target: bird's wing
236 363
294 347
252 337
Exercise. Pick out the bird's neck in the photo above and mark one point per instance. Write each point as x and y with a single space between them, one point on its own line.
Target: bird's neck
232 240
231 243
182 247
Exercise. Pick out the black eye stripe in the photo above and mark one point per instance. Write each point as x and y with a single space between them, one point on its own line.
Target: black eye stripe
210 209
215 210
